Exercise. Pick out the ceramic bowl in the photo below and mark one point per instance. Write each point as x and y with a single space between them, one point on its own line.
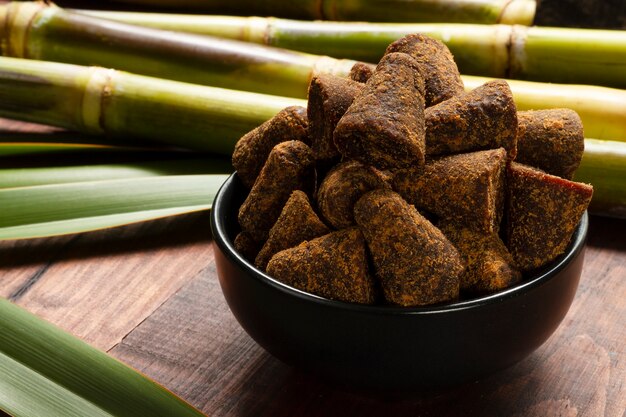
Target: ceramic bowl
391 347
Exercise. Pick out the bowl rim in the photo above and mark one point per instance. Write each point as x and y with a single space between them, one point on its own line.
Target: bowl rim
220 238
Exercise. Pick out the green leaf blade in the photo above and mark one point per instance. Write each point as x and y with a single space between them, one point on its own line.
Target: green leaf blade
48 372
48 210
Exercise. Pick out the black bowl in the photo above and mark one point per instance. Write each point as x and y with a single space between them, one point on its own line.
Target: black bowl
391 347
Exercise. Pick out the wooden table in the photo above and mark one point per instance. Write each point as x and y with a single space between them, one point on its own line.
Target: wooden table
148 294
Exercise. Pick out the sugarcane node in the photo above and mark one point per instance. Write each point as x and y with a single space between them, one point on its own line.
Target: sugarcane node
442 79
414 206
384 125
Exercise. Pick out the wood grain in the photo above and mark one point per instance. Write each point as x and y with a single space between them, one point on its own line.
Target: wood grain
100 286
194 346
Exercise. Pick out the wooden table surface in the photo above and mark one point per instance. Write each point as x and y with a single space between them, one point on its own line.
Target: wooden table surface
148 294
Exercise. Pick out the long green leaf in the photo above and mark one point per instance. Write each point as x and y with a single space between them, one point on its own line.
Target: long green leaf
47 372
47 210
25 177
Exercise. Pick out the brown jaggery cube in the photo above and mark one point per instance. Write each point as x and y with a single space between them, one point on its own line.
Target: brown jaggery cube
484 118
551 140
490 266
384 126
543 211
289 167
297 222
361 72
467 188
252 150
441 75
415 263
332 266
329 98
341 189
247 246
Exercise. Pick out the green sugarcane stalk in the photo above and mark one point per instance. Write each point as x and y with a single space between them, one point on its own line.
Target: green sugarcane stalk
52 40
471 11
48 33
604 166
102 101
581 56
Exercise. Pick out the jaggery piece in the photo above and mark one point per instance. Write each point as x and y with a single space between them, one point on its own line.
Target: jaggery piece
384 126
297 222
289 167
329 98
551 140
543 211
341 189
252 150
332 266
489 263
441 75
466 188
361 72
484 118
247 246
413 260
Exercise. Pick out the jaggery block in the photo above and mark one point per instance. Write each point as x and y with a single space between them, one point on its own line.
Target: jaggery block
467 188
252 150
289 167
490 266
341 189
329 98
543 211
413 260
441 76
247 246
484 118
297 222
384 126
361 72
332 266
551 140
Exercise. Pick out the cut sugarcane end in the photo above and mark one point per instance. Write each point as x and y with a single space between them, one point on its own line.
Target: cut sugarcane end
519 12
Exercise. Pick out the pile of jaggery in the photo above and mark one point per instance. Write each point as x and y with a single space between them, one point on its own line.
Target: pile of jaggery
398 187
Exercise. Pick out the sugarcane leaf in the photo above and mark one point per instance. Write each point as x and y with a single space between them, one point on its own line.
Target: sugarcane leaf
11 149
47 372
23 177
48 210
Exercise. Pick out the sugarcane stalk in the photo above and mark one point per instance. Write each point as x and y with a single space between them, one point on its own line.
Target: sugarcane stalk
42 32
474 11
101 101
601 121
604 166
582 56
